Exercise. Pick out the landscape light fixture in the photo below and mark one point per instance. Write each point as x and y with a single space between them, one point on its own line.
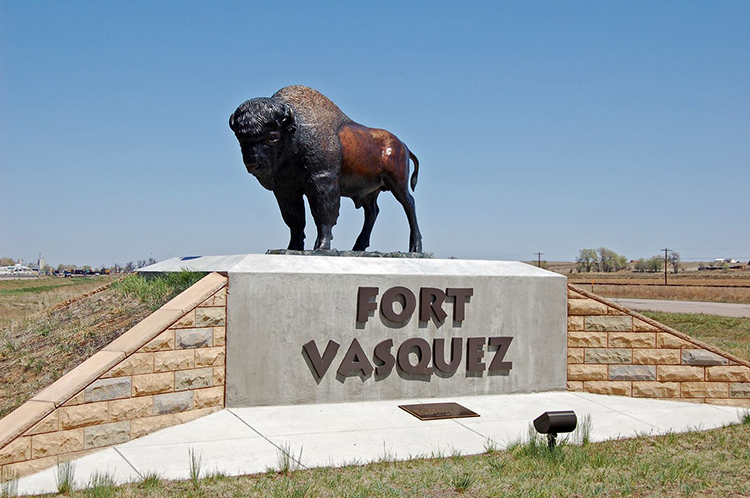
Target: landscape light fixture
554 423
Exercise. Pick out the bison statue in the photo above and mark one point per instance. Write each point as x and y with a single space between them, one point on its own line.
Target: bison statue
298 143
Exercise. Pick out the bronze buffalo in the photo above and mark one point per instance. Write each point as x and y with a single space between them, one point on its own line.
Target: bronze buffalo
298 143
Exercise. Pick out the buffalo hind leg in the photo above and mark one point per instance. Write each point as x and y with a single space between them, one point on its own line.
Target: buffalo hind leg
402 195
370 206
293 212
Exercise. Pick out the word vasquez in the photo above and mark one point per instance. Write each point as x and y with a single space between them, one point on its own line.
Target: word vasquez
356 361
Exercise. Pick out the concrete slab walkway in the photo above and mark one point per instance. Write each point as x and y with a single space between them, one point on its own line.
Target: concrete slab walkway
240 441
669 306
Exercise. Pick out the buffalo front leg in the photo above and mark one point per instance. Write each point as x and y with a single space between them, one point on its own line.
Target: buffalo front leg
370 206
292 208
407 201
325 200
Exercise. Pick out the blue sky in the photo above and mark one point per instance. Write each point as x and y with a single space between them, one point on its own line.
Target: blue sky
540 126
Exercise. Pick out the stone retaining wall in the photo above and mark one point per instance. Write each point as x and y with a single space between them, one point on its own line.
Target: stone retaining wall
612 350
166 370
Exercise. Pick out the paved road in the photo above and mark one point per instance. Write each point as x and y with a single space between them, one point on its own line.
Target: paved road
724 309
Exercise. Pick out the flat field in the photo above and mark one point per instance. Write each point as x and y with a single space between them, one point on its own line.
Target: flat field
21 298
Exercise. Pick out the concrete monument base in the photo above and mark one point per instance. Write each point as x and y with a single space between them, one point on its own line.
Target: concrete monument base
316 329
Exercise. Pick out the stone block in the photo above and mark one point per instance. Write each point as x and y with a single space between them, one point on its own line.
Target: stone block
74 381
106 435
162 342
17 451
585 307
609 323
679 373
575 386
575 355
169 361
56 443
616 388
186 322
173 402
128 409
220 334
72 417
210 317
632 372
142 426
209 357
220 298
219 374
574 295
739 390
137 363
632 340
656 389
194 338
50 423
106 389
587 339
609 355
157 383
656 356
587 372
205 398
728 402
207 303
78 399
667 340
728 374
705 390
193 379
575 324
702 357
615 312
641 326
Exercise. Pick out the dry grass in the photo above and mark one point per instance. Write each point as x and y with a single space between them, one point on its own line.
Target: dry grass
730 334
22 298
706 294
711 463
41 347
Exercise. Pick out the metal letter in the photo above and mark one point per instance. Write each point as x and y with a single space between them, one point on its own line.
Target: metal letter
386 304
364 305
355 360
427 303
321 364
438 354
424 356
502 343
474 354
383 354
459 303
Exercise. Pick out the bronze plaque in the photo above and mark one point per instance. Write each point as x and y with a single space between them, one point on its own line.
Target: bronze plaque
438 411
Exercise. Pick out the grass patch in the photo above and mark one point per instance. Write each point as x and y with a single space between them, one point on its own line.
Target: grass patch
155 291
712 463
728 333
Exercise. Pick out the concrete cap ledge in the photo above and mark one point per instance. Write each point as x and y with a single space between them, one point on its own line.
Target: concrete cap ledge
22 419
70 384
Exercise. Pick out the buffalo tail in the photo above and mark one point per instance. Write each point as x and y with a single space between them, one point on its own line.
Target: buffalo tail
414 175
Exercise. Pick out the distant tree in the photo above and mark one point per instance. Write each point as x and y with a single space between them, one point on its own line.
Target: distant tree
129 267
610 261
7 261
641 265
152 261
116 268
674 261
655 263
587 261
141 263
85 267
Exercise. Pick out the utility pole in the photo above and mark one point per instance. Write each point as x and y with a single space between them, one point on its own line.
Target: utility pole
539 259
665 264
